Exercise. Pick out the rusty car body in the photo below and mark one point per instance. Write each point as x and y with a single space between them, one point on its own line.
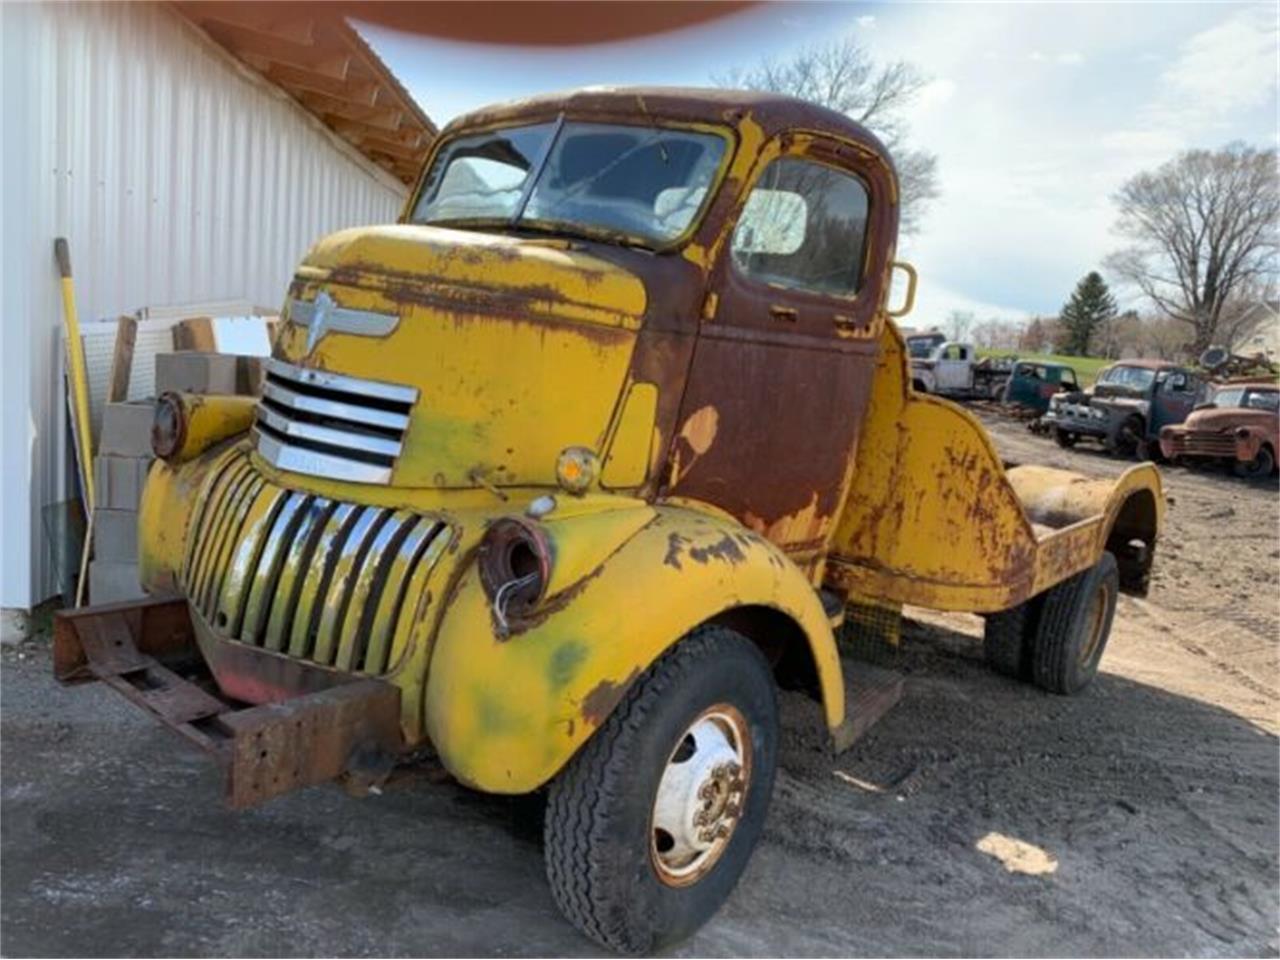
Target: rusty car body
545 475
1239 425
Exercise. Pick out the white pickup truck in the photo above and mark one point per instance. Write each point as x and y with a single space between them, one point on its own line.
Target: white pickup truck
953 369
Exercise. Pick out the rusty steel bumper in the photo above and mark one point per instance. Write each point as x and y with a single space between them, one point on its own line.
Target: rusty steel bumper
336 726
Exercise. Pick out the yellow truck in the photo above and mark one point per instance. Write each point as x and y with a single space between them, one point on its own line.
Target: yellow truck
563 474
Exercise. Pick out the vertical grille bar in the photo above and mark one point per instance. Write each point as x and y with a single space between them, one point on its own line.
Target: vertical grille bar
243 560
266 570
217 532
367 588
382 623
296 562
315 586
202 509
202 534
339 593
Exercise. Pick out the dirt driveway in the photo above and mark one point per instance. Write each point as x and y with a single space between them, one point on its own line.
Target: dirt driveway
1155 794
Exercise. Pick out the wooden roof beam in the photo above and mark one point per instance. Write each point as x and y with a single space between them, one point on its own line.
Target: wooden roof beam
243 42
381 118
406 138
247 16
294 79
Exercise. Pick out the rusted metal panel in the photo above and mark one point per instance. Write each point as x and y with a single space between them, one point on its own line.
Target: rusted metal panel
321 727
279 747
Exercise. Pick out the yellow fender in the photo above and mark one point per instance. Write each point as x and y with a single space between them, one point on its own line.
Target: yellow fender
506 714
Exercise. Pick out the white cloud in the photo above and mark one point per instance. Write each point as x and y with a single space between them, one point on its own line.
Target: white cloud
1229 66
867 21
1070 58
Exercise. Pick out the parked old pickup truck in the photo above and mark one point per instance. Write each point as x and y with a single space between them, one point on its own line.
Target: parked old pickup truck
1126 408
1240 425
560 476
954 370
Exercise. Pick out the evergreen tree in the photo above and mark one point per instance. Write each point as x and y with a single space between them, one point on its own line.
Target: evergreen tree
1090 308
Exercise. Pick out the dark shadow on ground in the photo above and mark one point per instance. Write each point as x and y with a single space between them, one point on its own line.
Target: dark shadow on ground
1160 811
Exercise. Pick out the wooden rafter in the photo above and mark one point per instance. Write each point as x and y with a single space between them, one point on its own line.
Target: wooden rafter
312 54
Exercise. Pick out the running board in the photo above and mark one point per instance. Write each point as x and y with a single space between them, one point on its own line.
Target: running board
869 693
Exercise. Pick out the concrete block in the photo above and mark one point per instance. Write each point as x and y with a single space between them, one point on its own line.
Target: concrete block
126 429
191 372
111 582
249 373
115 535
118 481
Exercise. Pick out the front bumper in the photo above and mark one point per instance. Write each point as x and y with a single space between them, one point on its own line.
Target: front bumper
1080 426
321 725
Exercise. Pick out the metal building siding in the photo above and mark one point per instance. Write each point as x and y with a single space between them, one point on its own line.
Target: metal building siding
177 177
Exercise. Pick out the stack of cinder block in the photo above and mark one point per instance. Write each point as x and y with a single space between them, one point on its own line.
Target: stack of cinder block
124 456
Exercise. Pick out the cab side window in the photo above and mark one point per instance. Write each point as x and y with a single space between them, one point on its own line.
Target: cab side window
804 226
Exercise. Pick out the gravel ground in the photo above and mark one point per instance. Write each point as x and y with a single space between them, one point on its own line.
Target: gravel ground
1145 810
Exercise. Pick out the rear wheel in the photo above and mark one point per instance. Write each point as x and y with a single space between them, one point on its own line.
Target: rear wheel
1073 628
650 826
1006 640
1259 468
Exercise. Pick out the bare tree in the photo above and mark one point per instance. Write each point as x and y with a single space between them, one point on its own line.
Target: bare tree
842 76
1202 231
959 322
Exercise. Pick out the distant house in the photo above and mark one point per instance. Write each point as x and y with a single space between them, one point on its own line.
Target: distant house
1263 322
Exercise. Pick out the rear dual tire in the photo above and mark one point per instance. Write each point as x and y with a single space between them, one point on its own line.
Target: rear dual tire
1056 640
651 824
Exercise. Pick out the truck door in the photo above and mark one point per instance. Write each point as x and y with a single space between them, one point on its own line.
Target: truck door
954 368
782 368
1173 401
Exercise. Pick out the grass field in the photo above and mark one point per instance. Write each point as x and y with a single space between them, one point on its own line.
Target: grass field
1086 368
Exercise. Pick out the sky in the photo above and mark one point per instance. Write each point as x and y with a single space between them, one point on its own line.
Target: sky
1037 113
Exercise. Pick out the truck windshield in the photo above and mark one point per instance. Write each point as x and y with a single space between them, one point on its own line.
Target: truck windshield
1250 399
642 183
1134 380
921 347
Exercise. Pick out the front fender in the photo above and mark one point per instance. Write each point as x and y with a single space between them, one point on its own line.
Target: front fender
506 714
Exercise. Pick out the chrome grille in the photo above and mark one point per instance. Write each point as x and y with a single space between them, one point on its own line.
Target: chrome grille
330 425
334 583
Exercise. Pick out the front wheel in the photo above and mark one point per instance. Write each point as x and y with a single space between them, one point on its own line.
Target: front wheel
1064 438
1259 468
650 826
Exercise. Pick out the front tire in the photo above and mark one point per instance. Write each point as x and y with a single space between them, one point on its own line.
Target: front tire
1259 468
1064 438
651 824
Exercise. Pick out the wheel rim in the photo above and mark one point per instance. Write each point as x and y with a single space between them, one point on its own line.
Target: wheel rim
701 795
1095 623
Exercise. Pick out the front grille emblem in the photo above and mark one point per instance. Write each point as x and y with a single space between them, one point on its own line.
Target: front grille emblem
325 315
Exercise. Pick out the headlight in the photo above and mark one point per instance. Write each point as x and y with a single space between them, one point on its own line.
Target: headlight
515 565
1242 433
168 426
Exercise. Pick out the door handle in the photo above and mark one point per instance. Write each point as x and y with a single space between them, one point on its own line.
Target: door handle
783 313
844 322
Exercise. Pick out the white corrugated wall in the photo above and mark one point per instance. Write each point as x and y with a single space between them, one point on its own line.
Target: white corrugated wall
177 177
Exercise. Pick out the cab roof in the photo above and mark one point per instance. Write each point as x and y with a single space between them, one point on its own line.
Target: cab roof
774 112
